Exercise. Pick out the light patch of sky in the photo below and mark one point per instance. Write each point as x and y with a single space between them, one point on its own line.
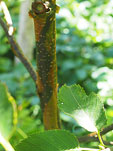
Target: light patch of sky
103 23
93 33
82 24
104 89
64 12
110 102
100 24
106 85
109 8
99 38
83 6
66 31
80 9
109 19
96 73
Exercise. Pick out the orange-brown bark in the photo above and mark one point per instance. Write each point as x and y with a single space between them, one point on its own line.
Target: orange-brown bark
44 22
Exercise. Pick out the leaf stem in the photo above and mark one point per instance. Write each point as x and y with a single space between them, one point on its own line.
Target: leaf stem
100 139
5 143
22 133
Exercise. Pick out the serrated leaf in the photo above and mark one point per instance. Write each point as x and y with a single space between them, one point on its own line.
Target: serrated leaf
6 112
53 140
88 111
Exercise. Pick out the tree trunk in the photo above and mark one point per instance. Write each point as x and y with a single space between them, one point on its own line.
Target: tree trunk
44 23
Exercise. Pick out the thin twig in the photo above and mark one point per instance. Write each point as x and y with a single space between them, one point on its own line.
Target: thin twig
93 136
18 52
107 129
15 47
84 139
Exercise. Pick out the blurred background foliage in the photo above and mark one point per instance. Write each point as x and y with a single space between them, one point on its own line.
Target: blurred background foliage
84 56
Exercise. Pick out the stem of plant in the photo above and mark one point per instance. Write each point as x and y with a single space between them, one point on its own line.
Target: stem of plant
7 146
100 139
22 133
45 32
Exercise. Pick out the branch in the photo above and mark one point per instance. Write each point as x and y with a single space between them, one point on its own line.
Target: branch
93 136
107 129
84 139
18 52
44 23
15 47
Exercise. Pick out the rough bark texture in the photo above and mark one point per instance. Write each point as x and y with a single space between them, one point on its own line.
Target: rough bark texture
25 34
44 22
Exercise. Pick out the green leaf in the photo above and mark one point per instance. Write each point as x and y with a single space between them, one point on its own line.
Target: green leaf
6 112
53 140
88 111
5 64
3 49
81 74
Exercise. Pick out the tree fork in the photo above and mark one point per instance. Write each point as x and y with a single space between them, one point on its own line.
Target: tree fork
43 14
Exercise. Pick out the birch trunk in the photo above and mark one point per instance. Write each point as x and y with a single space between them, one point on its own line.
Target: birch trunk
26 31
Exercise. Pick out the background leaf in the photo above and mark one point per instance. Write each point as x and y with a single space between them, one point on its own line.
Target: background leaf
6 112
86 110
54 140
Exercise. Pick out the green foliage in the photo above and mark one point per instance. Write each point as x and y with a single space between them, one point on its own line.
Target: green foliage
6 112
84 56
54 140
5 64
21 81
6 54
86 110
84 41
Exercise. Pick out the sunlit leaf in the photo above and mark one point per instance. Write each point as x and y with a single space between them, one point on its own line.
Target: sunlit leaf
6 112
88 111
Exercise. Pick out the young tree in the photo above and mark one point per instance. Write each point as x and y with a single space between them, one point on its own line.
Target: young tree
45 79
43 14
88 111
